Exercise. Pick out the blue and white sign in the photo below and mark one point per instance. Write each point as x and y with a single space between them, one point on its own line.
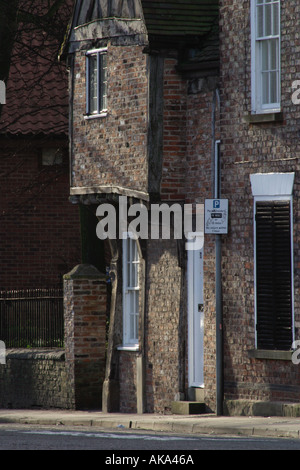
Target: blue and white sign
216 216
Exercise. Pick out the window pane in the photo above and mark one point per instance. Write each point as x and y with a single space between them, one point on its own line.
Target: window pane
273 87
133 275
103 81
264 55
268 20
133 263
136 326
270 71
93 84
134 251
265 88
131 293
131 302
132 327
97 82
128 263
273 54
134 315
103 67
266 76
104 96
260 21
276 19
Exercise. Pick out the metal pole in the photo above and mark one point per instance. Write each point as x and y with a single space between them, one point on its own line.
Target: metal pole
219 327
218 293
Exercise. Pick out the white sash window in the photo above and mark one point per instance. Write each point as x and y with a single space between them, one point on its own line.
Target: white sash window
131 291
265 31
96 82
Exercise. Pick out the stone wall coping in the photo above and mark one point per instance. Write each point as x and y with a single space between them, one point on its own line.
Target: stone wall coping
57 354
84 271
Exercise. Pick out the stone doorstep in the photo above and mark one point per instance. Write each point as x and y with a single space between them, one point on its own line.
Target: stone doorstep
188 408
261 408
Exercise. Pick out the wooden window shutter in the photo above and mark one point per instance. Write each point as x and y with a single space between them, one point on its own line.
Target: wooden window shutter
273 275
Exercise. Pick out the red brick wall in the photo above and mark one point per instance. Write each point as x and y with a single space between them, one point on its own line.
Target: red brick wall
39 229
85 298
174 136
248 149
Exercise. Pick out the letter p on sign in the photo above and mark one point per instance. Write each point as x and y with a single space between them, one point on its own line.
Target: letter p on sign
2 92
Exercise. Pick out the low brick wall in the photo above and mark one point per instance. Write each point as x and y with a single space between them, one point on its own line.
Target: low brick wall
35 378
70 378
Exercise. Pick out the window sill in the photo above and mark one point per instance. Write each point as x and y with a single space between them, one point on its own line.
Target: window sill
133 348
263 118
95 116
270 354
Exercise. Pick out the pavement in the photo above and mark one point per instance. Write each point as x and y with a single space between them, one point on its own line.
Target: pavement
277 427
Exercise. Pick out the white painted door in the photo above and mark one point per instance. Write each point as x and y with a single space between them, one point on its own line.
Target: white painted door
195 317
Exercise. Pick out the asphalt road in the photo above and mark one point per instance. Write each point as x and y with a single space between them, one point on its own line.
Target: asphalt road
31 437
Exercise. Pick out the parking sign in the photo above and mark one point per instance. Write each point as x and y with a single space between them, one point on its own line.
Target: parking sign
216 216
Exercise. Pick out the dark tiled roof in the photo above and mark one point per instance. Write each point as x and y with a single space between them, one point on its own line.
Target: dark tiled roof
37 92
182 17
167 17
169 23
90 10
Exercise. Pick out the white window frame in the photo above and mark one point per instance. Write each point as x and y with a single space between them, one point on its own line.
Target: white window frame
257 44
273 187
101 85
131 292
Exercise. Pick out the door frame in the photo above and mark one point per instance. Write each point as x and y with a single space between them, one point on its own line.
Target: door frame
195 297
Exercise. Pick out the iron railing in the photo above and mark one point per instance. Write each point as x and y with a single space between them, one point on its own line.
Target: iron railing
32 318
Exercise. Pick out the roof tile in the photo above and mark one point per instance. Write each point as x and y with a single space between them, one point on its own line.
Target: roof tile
37 88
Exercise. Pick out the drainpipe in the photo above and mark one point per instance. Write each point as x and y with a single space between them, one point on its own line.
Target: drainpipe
219 327
218 287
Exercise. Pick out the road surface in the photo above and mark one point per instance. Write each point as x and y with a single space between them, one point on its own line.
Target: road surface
30 437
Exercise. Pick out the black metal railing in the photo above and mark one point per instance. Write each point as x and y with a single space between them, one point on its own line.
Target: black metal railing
32 318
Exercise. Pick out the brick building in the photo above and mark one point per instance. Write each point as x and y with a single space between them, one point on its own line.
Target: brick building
142 87
179 102
39 229
260 170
